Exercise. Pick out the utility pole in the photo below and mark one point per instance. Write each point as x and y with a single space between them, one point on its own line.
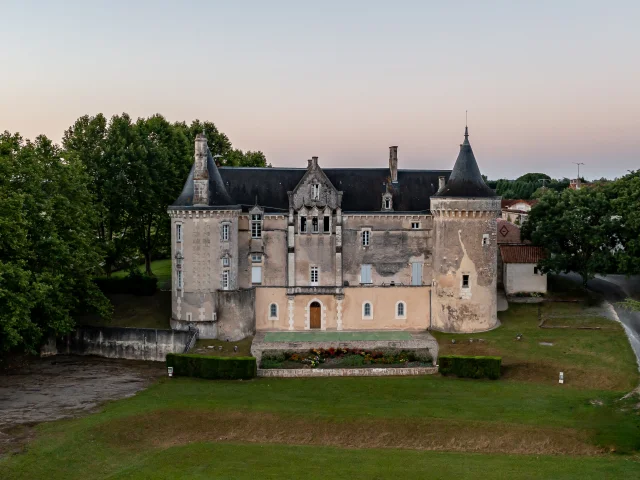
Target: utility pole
578 164
543 180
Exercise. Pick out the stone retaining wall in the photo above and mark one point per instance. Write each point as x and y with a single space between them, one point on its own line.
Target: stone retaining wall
127 343
345 372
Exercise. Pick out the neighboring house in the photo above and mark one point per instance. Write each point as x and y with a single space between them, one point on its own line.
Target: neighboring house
521 274
516 211
334 248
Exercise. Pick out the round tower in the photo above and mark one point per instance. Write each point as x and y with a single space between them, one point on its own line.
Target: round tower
465 253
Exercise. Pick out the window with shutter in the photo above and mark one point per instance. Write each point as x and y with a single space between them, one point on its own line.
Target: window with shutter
256 274
365 274
416 273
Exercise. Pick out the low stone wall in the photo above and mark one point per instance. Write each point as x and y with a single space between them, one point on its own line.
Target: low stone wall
128 343
345 372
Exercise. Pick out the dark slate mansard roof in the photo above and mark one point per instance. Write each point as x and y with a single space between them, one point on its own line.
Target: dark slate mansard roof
465 179
362 187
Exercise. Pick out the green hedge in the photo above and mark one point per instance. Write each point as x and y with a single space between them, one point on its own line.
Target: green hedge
470 367
140 285
215 368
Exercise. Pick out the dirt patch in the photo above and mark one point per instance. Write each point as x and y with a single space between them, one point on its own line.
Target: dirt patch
64 386
167 428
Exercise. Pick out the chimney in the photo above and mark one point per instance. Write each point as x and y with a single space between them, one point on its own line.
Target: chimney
312 163
441 183
200 172
393 163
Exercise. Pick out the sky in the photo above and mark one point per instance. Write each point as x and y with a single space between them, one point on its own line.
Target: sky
545 83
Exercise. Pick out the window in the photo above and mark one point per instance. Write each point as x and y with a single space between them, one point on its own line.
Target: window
387 203
256 257
189 316
179 278
314 276
225 280
365 237
367 310
401 310
365 274
315 191
225 261
314 224
327 224
415 225
273 311
225 232
485 239
256 225
465 281
416 273
178 232
256 274
303 224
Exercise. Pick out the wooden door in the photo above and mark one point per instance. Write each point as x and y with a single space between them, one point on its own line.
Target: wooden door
314 317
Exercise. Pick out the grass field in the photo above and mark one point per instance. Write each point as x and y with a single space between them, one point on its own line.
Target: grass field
189 428
598 359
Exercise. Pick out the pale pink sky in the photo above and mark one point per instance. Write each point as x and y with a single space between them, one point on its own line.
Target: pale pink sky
546 83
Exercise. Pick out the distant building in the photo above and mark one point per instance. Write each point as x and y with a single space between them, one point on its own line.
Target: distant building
516 211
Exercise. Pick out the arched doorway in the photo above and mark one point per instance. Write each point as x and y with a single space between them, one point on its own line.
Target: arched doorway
315 315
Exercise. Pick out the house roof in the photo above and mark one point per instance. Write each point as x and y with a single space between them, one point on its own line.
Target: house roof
508 233
521 253
509 202
362 187
465 179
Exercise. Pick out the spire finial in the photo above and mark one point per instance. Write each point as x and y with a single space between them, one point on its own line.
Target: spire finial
466 128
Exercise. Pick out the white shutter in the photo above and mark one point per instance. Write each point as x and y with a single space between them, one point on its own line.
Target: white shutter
416 273
365 274
256 274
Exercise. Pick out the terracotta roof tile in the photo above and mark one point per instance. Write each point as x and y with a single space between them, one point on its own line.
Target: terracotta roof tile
521 253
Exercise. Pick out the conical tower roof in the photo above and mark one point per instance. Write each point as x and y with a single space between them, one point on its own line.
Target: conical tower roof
465 179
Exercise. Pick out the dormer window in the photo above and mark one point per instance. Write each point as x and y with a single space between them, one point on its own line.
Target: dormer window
315 191
256 225
314 225
387 202
303 224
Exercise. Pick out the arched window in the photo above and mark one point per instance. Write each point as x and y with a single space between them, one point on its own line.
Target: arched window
401 310
273 310
367 310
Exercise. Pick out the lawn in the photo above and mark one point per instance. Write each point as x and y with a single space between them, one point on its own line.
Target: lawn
429 426
160 268
598 359
244 348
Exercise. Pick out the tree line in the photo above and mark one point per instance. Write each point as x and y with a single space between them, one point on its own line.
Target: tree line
595 229
93 205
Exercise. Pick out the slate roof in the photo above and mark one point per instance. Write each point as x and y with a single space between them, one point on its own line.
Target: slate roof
521 253
465 179
362 187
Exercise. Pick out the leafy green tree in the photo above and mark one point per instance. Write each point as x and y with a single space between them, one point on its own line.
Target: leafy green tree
575 227
47 243
625 202
533 177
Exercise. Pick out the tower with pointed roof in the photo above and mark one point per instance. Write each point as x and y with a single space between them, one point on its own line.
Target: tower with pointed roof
464 210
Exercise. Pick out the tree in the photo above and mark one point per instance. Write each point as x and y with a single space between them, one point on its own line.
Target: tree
47 243
625 202
533 177
575 227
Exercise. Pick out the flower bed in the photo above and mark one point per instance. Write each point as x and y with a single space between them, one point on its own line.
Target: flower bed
346 358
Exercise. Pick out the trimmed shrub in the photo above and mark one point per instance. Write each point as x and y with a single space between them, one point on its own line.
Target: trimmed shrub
470 367
213 368
134 284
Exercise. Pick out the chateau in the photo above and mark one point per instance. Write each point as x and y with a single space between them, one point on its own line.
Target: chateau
277 249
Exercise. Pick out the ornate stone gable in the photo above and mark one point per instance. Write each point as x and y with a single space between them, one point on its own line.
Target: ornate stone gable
315 190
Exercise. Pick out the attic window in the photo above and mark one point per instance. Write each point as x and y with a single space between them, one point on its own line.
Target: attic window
256 225
303 224
315 191
387 203
327 224
314 225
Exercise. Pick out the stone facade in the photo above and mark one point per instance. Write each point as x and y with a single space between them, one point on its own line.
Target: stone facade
336 249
